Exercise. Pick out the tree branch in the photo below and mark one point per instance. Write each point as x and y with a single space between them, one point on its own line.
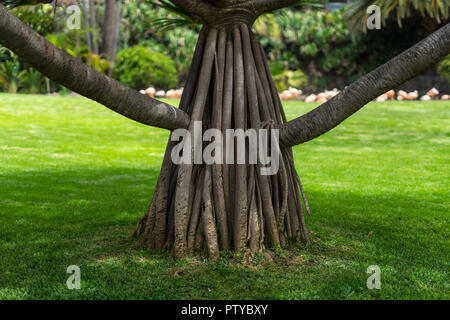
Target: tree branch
196 7
390 75
77 76
271 5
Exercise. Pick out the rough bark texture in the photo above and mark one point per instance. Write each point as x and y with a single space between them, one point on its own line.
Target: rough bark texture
77 76
226 206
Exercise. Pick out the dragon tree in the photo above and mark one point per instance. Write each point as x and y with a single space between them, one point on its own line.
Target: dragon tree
214 207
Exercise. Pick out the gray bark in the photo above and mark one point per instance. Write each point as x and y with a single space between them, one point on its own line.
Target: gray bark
86 25
77 76
116 36
93 23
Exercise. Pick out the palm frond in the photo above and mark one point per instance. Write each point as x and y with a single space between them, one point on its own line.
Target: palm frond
182 19
166 24
302 3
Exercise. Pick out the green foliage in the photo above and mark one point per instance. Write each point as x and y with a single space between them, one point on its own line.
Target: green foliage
289 78
179 45
97 62
178 18
15 76
67 42
5 54
140 67
40 18
317 42
444 67
324 47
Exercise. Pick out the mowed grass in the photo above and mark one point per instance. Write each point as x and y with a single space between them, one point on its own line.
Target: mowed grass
75 178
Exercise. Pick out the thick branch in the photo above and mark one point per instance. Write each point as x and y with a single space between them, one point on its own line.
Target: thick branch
77 76
271 5
386 77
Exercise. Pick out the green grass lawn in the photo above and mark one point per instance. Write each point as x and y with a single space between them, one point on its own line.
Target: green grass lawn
75 178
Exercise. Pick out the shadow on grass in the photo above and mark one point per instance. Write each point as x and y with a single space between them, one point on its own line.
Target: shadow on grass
53 219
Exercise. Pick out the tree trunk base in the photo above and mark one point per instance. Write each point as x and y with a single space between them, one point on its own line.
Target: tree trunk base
214 207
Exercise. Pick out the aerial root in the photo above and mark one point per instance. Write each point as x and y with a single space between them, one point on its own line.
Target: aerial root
210 208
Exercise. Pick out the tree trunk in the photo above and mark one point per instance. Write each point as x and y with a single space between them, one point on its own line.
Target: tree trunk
213 207
108 28
69 71
111 31
116 37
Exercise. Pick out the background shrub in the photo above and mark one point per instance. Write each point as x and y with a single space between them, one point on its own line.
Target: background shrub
140 27
444 67
139 67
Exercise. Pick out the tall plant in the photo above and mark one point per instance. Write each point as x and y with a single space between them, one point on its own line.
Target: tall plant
11 76
214 206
